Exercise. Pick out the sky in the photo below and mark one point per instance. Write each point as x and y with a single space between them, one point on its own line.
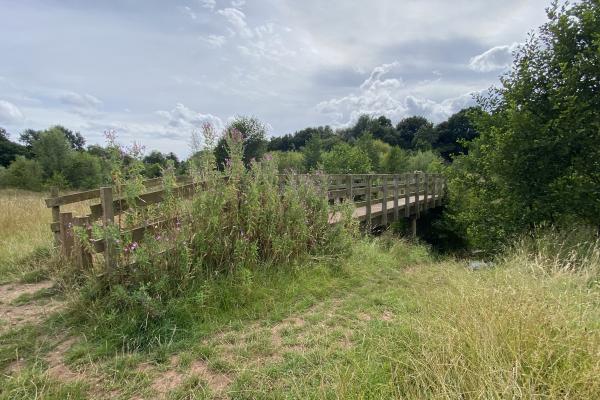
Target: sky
155 70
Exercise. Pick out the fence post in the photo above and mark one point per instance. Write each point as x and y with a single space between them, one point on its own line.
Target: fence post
413 226
66 233
417 196
396 198
82 256
351 188
55 217
426 186
108 215
384 216
368 200
407 190
434 190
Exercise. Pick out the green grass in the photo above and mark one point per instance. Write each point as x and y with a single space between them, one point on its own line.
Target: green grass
390 321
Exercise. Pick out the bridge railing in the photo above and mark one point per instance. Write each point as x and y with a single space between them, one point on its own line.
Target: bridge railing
376 196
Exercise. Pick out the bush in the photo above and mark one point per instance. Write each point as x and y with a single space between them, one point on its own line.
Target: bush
23 174
239 221
346 159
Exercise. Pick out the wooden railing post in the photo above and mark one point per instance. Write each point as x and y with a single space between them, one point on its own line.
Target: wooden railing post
407 190
108 215
434 200
426 185
417 196
396 216
66 233
55 217
350 187
384 216
81 256
368 200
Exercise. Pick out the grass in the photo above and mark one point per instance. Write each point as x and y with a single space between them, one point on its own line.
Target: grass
25 236
390 321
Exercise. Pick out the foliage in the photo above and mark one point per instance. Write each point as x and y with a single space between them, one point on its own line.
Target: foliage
346 159
312 152
253 134
239 221
408 128
75 139
396 161
23 173
8 149
536 159
426 161
289 161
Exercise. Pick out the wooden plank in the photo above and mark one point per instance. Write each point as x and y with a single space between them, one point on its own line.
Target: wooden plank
66 233
146 199
81 256
417 195
108 216
396 189
72 198
384 216
426 186
350 187
368 200
407 190
55 226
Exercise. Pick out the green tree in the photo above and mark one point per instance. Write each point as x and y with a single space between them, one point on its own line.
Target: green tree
396 161
75 139
346 159
83 170
52 150
8 149
253 133
289 161
537 159
312 152
454 133
408 128
23 173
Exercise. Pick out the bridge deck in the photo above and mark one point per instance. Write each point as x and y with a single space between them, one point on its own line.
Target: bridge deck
360 213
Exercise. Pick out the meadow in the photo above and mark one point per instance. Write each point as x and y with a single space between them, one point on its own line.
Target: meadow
389 320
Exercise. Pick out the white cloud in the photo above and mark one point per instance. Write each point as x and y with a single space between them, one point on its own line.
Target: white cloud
495 59
79 100
189 12
379 95
214 41
238 3
183 118
210 4
237 20
9 113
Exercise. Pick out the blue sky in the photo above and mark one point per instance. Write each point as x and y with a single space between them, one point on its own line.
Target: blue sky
155 70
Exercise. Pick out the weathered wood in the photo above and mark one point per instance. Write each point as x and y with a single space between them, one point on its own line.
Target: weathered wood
81 256
413 226
417 196
146 199
108 216
434 190
407 190
396 189
55 226
384 216
350 187
66 233
426 186
368 200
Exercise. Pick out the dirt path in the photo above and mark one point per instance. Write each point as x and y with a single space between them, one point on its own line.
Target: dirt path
13 314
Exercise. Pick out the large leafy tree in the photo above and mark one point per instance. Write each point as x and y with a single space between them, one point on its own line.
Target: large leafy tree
407 130
454 133
537 159
9 150
253 133
75 139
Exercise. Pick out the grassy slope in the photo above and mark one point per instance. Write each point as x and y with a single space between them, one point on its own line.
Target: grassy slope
391 321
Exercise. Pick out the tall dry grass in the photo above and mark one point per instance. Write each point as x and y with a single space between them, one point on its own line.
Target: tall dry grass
25 230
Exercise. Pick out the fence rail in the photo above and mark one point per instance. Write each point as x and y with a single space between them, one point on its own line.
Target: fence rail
378 198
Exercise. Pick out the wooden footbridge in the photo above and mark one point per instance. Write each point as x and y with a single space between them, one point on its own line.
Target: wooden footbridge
379 199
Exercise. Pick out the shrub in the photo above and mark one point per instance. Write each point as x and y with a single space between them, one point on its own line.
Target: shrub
23 173
239 220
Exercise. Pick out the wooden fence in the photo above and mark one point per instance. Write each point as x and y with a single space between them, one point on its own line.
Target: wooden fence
378 199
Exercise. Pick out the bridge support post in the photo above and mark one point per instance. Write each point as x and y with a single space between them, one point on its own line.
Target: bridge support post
413 226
